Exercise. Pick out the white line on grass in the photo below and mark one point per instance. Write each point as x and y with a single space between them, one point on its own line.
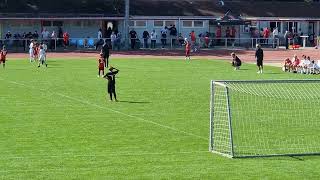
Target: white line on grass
110 109
69 155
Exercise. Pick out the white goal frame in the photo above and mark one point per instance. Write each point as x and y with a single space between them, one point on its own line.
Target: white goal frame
229 149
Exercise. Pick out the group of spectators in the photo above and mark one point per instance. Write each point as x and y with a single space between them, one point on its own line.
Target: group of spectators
167 36
23 39
304 66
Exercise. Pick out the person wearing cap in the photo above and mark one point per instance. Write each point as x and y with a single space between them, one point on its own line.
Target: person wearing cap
3 55
259 58
236 62
110 76
101 65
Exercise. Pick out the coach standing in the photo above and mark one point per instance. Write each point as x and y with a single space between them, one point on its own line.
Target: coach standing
105 50
259 58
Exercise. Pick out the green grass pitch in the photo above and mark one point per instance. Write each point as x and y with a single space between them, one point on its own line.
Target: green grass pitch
57 124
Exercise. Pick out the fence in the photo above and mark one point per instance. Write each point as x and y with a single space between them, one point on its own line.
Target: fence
22 45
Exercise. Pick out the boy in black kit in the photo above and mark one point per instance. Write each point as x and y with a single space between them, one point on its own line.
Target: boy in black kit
110 76
105 50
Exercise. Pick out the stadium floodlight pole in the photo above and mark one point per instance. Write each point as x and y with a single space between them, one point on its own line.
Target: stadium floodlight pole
126 23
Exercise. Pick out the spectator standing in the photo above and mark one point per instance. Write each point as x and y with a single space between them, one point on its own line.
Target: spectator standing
65 39
113 38
8 35
118 40
266 34
193 40
133 38
45 34
275 33
53 40
145 36
100 40
153 39
218 35
164 32
173 34
259 58
286 38
181 39
35 35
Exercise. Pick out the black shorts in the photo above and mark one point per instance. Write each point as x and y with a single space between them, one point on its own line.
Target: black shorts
2 61
259 63
106 56
111 89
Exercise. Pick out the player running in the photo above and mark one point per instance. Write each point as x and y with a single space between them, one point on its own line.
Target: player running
42 57
101 65
31 51
188 48
3 55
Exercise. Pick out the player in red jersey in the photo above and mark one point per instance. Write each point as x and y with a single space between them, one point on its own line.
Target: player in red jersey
36 50
101 65
287 65
3 56
188 48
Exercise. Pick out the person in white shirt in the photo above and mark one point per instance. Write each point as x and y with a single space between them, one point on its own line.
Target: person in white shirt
42 56
45 34
275 33
113 38
153 38
31 51
164 32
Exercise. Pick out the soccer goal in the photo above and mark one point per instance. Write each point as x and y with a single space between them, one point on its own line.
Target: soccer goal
265 118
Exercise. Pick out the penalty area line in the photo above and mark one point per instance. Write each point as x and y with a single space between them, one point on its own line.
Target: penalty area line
109 109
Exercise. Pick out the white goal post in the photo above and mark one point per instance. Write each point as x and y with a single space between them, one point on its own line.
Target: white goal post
261 118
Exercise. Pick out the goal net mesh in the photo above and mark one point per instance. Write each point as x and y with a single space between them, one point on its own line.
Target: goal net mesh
265 118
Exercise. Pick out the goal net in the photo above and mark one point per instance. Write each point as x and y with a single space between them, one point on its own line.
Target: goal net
265 118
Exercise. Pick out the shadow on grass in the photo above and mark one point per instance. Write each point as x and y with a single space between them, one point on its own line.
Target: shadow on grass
135 102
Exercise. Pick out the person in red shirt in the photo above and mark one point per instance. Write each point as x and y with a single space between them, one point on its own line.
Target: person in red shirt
36 51
266 34
287 65
218 35
188 48
101 65
65 39
295 63
3 55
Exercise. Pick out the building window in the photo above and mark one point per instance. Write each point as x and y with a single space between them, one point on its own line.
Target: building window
57 23
76 23
140 23
291 26
187 23
170 23
90 23
157 23
198 23
275 24
46 23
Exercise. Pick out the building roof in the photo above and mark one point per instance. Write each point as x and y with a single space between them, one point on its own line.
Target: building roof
61 8
160 8
274 9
